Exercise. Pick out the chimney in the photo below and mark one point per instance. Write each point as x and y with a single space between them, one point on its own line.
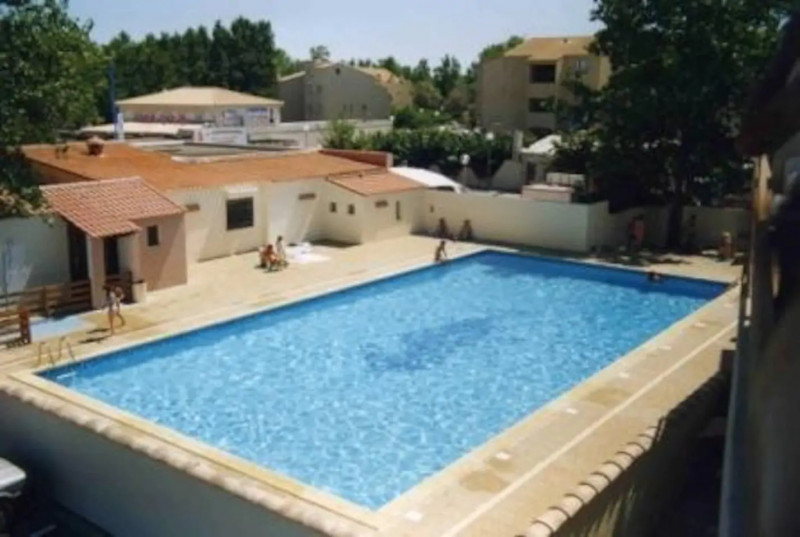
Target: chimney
94 146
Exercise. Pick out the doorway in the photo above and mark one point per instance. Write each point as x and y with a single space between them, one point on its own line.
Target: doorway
111 250
77 252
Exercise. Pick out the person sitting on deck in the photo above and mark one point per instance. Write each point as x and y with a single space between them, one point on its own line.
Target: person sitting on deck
442 231
269 260
466 231
441 252
281 252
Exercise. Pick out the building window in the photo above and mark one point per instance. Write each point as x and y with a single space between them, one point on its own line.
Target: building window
381 204
351 209
333 207
307 196
398 215
338 71
240 213
581 66
538 105
543 74
192 207
152 236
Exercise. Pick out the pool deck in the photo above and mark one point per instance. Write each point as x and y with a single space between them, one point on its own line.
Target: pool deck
498 488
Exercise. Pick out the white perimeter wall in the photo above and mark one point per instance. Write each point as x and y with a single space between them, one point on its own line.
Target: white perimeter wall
124 491
569 227
39 252
513 220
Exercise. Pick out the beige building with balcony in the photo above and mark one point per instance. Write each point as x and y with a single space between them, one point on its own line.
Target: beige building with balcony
327 91
516 89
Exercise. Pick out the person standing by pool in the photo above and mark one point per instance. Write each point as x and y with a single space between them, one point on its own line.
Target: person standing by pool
441 253
114 306
466 231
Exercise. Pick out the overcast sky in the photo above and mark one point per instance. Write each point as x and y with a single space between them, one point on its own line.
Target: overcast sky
407 29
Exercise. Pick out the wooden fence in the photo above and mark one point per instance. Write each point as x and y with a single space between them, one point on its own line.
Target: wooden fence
50 300
17 324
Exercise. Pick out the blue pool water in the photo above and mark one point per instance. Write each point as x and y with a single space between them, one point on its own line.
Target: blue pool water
365 392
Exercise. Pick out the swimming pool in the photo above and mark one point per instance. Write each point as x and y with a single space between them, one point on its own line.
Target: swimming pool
367 391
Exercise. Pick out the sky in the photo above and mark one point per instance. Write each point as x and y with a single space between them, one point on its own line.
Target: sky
407 29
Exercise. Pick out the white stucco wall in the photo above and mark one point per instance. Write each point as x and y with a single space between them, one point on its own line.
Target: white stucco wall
206 233
297 220
38 252
611 230
382 222
512 220
341 226
124 491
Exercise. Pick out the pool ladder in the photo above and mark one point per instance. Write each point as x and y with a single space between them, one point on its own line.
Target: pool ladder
45 347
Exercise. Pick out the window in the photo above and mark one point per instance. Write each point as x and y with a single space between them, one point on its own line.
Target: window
381 204
538 105
543 74
240 213
351 209
307 196
581 66
333 207
152 236
338 71
192 207
398 215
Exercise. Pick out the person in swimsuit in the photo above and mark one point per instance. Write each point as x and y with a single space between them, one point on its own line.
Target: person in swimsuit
441 253
114 299
280 251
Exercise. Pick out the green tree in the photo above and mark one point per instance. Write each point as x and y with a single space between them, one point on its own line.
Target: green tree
320 53
50 75
342 134
426 95
421 72
681 72
447 75
498 49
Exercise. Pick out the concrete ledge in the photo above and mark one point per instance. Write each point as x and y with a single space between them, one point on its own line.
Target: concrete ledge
555 521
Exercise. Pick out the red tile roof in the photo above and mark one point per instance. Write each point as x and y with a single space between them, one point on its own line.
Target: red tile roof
164 173
107 208
371 184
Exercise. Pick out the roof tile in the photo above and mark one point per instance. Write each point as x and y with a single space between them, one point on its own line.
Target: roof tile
107 208
372 184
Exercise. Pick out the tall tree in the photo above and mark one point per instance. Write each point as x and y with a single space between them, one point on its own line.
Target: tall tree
50 75
320 53
421 72
447 75
681 70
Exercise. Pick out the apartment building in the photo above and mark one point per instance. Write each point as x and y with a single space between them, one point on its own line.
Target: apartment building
327 91
515 91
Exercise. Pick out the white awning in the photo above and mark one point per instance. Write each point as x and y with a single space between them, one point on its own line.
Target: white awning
429 179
